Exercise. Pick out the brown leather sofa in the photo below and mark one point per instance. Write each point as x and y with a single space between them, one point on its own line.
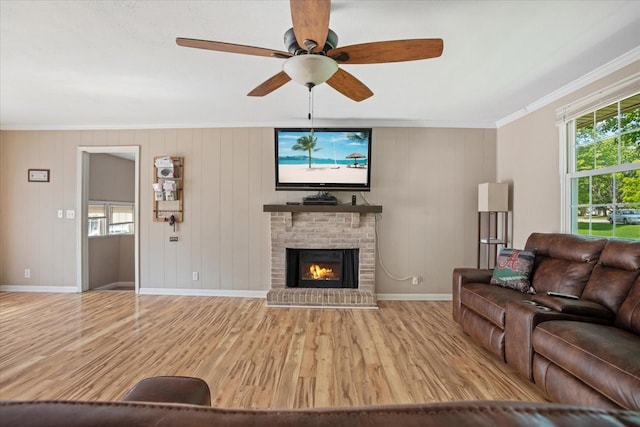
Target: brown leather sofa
184 402
584 351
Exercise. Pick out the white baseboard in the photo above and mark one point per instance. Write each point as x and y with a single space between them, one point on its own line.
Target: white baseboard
414 297
58 289
212 292
114 285
203 292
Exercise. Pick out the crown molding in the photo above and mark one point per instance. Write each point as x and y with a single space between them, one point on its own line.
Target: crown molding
603 71
380 123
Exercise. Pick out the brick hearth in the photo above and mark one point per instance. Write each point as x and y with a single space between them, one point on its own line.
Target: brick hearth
323 230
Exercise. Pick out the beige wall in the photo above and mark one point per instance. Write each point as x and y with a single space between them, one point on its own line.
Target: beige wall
111 178
111 260
33 237
104 261
425 178
528 152
126 263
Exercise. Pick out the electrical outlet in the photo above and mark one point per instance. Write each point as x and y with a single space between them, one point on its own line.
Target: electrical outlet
415 280
71 214
27 273
195 275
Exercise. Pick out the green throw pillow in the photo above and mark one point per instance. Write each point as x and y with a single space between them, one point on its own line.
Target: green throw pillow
513 269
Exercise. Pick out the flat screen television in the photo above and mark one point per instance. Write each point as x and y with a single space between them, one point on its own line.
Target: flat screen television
325 160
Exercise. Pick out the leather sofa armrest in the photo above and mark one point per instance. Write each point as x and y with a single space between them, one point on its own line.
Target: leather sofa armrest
521 319
170 389
572 306
476 413
462 276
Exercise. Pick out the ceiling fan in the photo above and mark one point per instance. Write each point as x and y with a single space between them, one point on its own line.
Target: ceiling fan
312 55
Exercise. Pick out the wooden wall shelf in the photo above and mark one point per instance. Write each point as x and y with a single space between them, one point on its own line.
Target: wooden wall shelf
163 209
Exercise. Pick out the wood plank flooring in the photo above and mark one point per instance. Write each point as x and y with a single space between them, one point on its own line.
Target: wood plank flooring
96 345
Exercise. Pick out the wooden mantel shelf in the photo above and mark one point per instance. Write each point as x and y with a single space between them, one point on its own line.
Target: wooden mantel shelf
355 210
323 208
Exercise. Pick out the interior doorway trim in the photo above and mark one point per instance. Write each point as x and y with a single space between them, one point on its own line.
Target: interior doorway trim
82 198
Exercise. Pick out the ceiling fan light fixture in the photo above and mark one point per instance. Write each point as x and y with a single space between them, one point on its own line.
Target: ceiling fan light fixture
310 70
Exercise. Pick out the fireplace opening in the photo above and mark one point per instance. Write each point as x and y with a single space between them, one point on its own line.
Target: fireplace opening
322 268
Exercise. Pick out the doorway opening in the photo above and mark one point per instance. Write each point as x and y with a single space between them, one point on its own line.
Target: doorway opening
108 218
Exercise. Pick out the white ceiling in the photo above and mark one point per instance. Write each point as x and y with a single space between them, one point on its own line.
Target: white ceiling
115 64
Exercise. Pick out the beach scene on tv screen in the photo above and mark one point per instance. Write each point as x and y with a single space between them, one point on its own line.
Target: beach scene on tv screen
324 157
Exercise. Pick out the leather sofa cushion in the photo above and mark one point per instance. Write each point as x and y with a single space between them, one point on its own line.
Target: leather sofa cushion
603 357
566 246
559 275
616 271
609 286
628 316
489 301
621 254
563 262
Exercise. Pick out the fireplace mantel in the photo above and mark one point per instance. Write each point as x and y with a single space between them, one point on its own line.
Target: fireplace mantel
323 208
355 210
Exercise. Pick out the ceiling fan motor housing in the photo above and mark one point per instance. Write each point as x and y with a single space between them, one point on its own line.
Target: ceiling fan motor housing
295 49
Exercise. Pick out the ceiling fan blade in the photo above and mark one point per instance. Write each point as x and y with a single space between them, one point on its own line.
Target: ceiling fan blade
311 21
388 51
349 86
270 85
231 48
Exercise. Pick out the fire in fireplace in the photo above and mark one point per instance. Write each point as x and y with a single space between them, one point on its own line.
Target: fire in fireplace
319 272
322 268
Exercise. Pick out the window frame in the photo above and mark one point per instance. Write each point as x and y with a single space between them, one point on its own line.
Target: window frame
565 120
108 220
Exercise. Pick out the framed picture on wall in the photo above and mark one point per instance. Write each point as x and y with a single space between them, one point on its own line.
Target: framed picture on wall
38 175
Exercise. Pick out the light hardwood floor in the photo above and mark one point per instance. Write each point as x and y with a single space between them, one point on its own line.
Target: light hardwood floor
96 345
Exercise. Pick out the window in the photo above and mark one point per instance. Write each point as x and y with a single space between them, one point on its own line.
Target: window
108 218
603 170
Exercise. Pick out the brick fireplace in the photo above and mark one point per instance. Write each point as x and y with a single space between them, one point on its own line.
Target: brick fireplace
340 227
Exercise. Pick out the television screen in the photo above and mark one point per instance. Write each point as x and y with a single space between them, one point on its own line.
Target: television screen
325 159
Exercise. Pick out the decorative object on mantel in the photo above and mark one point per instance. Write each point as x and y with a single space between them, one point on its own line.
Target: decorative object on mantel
493 208
38 175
